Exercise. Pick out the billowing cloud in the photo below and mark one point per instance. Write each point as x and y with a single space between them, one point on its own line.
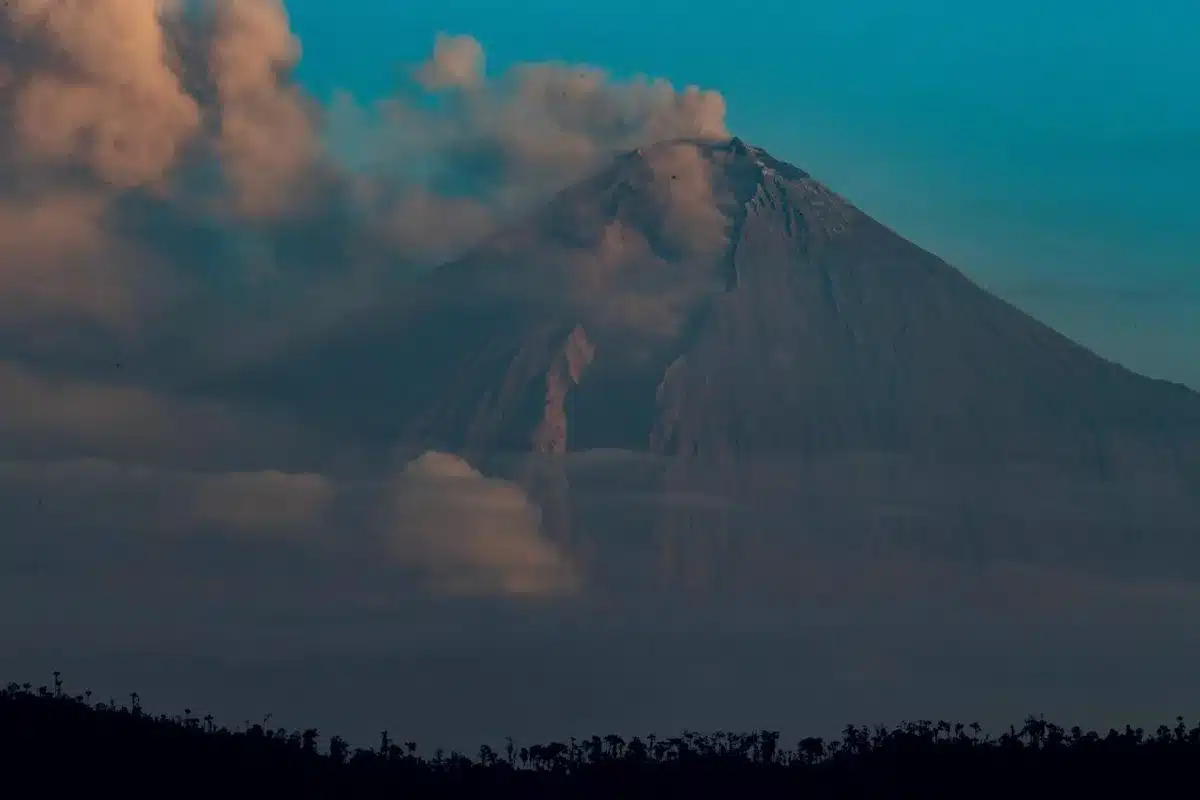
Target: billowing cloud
457 63
58 258
471 533
173 199
91 107
512 139
268 143
94 87
162 165
173 204
492 147
431 228
692 220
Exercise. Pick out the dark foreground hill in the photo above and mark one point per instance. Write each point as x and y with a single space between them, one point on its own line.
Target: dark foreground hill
52 743
700 298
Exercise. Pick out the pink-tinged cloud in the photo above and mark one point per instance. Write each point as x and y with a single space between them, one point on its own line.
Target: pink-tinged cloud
169 191
268 143
472 534
457 63
94 86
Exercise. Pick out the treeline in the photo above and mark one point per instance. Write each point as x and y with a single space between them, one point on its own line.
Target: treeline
52 740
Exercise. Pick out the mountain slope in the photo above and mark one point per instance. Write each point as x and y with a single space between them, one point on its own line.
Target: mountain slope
705 299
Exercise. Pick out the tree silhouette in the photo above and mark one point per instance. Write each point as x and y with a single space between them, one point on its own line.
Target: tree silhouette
914 759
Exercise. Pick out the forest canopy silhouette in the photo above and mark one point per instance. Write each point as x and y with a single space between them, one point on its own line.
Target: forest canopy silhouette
65 740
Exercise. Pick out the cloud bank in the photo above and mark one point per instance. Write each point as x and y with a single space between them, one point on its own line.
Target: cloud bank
438 524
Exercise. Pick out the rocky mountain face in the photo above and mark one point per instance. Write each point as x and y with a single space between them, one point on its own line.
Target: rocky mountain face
704 299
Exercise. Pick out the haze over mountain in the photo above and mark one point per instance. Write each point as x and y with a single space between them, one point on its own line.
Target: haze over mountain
699 297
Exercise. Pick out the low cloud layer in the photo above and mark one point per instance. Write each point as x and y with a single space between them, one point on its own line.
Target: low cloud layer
437 524
244 591
50 416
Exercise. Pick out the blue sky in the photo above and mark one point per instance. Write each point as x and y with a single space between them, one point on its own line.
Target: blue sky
1049 149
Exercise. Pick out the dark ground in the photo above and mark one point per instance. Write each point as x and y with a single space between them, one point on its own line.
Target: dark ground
51 741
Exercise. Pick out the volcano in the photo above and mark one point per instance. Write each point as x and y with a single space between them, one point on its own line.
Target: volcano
704 299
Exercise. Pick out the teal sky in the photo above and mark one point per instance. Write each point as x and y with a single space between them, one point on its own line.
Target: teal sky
1049 149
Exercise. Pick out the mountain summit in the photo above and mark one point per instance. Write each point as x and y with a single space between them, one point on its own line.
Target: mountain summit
702 298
